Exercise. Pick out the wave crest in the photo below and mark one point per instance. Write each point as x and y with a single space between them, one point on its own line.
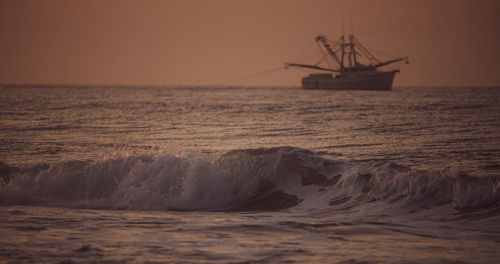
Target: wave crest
251 179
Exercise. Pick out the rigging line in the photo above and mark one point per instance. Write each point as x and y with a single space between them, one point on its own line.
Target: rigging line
254 75
384 53
326 56
304 53
321 60
313 56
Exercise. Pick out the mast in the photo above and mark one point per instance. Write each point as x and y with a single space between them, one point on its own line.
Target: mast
342 43
351 38
349 54
349 51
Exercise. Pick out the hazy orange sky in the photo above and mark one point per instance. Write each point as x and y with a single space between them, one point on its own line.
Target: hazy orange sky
186 42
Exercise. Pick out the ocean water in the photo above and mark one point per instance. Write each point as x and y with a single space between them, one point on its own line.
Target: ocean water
150 174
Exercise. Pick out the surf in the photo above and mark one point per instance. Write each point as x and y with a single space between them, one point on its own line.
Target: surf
264 179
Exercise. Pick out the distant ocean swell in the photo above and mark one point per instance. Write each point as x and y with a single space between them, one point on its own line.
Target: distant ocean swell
265 179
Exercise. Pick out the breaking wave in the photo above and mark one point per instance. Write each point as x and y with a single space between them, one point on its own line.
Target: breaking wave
265 179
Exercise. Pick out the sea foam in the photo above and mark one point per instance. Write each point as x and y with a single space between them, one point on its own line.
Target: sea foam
252 179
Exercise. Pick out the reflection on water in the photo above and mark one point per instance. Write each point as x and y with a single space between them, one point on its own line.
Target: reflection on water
428 128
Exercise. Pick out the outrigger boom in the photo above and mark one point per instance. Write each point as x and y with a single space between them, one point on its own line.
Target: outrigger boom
308 66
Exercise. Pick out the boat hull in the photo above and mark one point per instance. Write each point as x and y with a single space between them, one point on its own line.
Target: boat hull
379 81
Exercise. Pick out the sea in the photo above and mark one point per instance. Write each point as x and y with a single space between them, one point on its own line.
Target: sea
233 174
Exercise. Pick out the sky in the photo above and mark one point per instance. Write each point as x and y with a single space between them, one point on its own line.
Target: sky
224 42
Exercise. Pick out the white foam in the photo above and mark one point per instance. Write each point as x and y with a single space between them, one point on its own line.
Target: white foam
186 180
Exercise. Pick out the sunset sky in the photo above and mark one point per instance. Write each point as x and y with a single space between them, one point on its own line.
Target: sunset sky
186 42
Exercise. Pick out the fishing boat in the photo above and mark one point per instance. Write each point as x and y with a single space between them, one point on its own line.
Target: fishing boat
355 68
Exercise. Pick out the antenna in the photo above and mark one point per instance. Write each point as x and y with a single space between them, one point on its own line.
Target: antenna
352 30
342 23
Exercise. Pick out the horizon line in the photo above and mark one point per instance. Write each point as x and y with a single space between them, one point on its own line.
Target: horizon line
219 85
